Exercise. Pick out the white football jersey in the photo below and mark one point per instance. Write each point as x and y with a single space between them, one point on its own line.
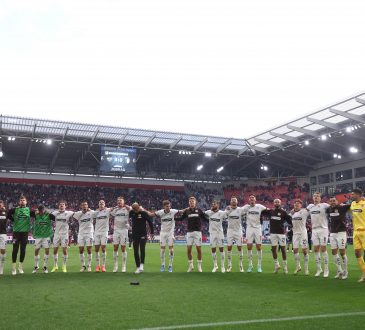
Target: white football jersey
167 220
85 222
253 215
121 218
62 222
101 221
215 221
318 215
234 217
299 220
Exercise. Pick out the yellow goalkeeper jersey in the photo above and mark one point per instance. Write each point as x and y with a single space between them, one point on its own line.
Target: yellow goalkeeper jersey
358 215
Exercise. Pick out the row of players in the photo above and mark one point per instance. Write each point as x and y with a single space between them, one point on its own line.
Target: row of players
317 213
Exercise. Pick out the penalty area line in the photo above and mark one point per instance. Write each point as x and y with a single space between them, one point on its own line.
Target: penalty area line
280 319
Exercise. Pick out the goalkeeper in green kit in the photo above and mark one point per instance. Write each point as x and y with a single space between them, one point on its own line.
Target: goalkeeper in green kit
20 217
42 233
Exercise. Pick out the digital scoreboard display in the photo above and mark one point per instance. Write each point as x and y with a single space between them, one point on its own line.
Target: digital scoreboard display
118 160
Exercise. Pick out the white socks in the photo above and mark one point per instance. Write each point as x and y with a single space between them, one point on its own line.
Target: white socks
171 257
249 256
45 260
229 257
124 259
162 256
318 260
259 257
214 256
345 260
82 259
325 259
64 260
36 261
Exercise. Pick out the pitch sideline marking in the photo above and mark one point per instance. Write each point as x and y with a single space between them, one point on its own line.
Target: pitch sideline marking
281 319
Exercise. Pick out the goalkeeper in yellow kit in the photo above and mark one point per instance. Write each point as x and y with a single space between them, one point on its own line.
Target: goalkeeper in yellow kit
358 222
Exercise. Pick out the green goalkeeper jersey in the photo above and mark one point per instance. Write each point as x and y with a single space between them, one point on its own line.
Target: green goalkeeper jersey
42 227
21 219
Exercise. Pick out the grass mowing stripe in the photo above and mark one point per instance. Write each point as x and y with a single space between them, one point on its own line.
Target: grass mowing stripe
281 319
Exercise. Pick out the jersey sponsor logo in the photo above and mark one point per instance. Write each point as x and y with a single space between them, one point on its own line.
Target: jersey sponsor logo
193 215
61 219
121 214
166 219
297 218
254 212
102 217
357 211
335 214
85 220
215 219
315 212
234 217
275 218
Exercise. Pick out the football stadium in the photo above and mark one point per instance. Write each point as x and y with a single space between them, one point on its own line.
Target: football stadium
145 182
57 167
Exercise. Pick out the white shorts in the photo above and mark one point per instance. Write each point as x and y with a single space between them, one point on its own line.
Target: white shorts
300 239
166 239
278 239
101 239
60 240
194 238
42 243
320 236
3 240
234 237
216 240
120 237
253 235
338 240
83 240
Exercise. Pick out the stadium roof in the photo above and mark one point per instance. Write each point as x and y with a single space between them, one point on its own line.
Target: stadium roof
291 149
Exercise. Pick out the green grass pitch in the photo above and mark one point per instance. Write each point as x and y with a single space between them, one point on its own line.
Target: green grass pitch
108 301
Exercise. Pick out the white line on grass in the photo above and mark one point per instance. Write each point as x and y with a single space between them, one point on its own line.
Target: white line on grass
281 319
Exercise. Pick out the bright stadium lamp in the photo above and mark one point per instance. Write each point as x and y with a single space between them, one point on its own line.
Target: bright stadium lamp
220 169
199 167
354 150
306 142
49 142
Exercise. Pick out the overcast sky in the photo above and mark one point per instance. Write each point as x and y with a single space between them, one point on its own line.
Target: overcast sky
217 67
